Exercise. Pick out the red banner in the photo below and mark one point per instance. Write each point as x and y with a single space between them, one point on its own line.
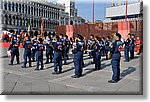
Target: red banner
124 28
69 31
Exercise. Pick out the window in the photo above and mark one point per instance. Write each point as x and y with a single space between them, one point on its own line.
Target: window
13 6
20 8
9 6
5 5
31 10
28 9
1 4
16 7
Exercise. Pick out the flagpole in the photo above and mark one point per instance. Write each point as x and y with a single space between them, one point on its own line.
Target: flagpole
126 14
92 11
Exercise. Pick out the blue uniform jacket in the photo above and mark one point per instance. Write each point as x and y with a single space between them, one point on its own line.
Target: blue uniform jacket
27 46
40 48
128 42
78 51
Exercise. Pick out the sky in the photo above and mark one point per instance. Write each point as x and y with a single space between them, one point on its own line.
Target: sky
85 8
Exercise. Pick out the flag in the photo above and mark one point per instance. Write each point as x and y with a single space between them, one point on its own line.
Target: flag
29 28
42 28
19 28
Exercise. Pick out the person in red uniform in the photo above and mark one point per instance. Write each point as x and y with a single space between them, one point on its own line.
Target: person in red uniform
138 43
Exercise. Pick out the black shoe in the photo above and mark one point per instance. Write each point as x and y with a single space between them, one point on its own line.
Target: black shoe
42 69
51 61
94 69
75 76
59 72
23 67
126 60
18 62
30 66
112 81
131 58
65 64
10 64
46 63
55 73
92 62
33 60
37 69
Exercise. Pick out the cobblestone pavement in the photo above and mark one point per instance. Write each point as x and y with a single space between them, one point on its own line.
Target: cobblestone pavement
28 81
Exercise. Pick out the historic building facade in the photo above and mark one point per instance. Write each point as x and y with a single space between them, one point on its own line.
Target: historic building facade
31 13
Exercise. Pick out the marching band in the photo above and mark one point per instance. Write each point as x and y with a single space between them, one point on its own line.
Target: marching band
60 46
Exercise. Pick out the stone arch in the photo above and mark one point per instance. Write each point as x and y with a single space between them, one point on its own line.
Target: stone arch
5 5
13 6
71 22
9 20
9 5
13 20
20 8
20 21
16 9
17 19
32 22
6 19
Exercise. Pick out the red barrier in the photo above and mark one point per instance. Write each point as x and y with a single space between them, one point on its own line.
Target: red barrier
6 45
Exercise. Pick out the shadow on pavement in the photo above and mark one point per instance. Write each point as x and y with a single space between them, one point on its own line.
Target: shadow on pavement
72 68
103 66
127 72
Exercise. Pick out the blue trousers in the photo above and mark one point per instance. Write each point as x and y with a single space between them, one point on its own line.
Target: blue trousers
126 52
97 59
14 52
39 59
106 51
132 51
115 62
33 54
49 54
65 54
78 63
57 61
27 55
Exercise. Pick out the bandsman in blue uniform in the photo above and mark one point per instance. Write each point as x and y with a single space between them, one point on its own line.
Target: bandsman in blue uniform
132 46
103 43
49 50
107 43
39 54
66 43
34 41
58 49
14 48
78 57
127 48
27 51
115 49
91 44
84 47
97 50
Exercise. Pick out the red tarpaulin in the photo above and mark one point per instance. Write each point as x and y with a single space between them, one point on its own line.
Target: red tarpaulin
69 30
124 28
